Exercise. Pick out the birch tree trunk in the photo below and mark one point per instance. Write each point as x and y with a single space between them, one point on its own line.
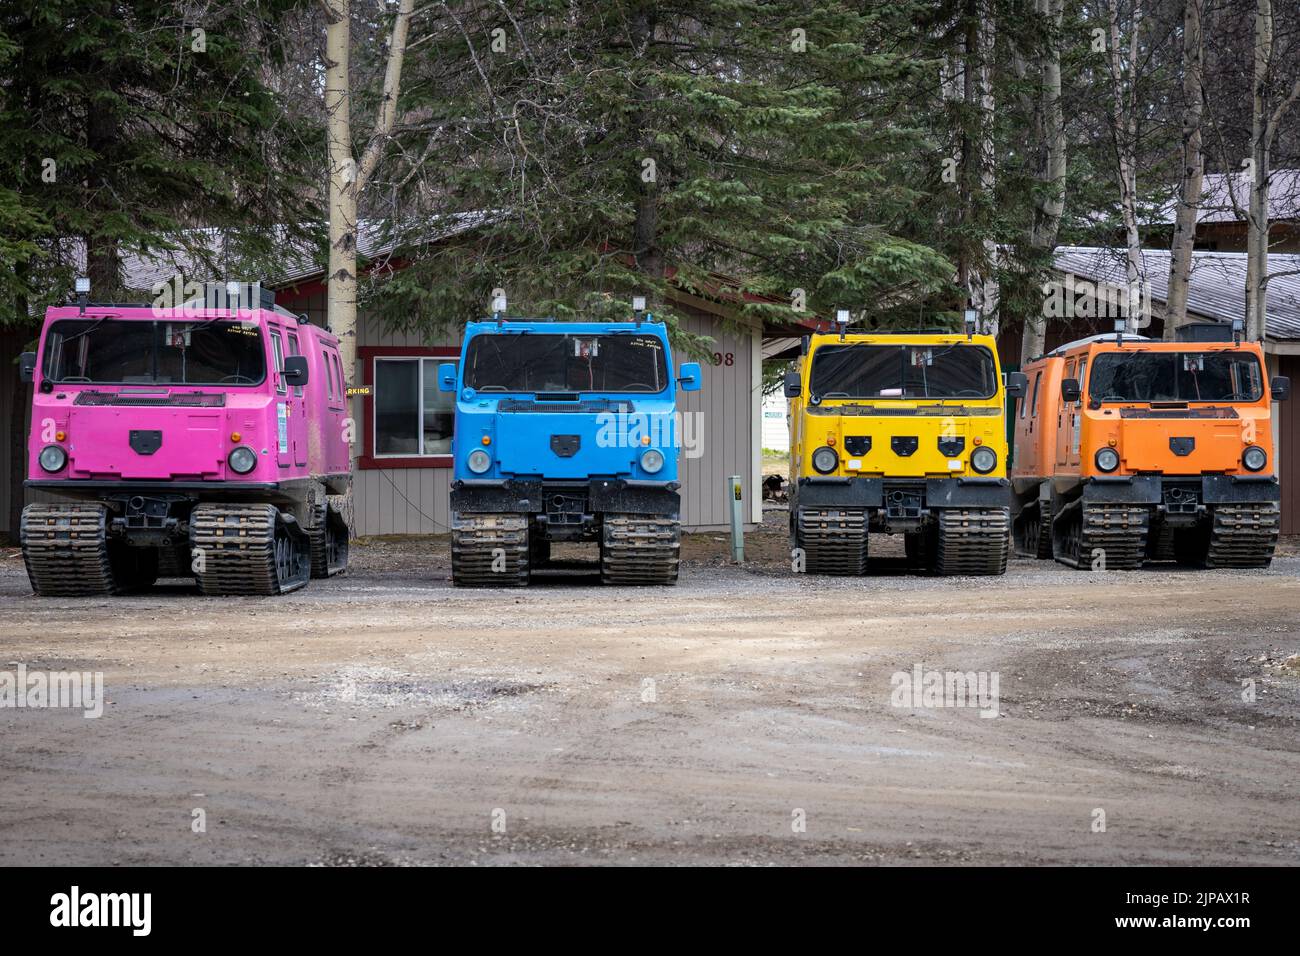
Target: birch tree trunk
1048 209
347 177
984 290
1263 129
1124 96
1257 213
1189 197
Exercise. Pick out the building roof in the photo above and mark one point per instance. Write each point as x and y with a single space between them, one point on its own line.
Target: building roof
1218 282
1218 190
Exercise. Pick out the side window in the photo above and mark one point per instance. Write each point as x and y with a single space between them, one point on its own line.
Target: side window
278 351
1083 384
336 376
293 350
1038 380
329 375
413 417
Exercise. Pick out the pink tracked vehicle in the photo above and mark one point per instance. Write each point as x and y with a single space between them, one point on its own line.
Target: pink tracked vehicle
205 439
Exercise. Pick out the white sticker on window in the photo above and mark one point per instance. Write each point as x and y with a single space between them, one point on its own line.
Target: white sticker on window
282 423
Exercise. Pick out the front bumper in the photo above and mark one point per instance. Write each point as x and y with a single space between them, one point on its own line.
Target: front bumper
1150 489
147 486
871 492
539 496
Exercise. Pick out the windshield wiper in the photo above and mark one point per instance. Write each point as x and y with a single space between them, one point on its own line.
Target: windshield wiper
88 329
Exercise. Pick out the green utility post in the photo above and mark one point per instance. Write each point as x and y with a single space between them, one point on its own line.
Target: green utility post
735 494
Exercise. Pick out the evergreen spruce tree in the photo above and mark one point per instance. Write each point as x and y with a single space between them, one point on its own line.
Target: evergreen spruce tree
616 146
128 126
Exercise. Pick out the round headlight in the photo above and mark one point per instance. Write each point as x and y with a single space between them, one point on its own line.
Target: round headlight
53 458
1107 459
1254 458
652 460
242 460
825 460
984 459
479 461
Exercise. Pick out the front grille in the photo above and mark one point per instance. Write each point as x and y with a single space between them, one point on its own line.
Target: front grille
185 400
918 411
587 407
1213 411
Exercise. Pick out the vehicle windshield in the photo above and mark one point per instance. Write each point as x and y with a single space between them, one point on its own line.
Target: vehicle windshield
554 362
132 352
1176 377
903 371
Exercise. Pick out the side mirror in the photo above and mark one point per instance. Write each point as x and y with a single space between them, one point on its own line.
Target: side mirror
27 367
793 387
689 378
447 377
1070 390
1017 384
295 370
1280 386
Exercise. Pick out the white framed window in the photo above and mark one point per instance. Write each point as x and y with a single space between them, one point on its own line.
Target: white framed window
412 417
278 350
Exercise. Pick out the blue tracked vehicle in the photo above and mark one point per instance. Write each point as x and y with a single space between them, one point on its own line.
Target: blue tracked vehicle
565 431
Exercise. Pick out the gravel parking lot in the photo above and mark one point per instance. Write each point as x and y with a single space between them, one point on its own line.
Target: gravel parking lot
748 716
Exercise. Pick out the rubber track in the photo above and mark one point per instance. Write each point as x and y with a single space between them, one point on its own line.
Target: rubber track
640 549
237 546
972 540
1044 532
1119 531
319 536
65 549
833 541
477 540
1044 540
1161 546
174 562
1243 536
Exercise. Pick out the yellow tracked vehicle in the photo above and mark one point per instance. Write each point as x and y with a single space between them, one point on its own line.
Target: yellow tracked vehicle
900 434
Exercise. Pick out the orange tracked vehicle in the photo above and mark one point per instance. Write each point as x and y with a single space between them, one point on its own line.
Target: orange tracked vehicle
1129 449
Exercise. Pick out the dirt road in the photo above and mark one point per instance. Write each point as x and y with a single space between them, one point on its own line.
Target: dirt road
743 718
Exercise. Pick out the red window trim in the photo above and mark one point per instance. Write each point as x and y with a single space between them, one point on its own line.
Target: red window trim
367 354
